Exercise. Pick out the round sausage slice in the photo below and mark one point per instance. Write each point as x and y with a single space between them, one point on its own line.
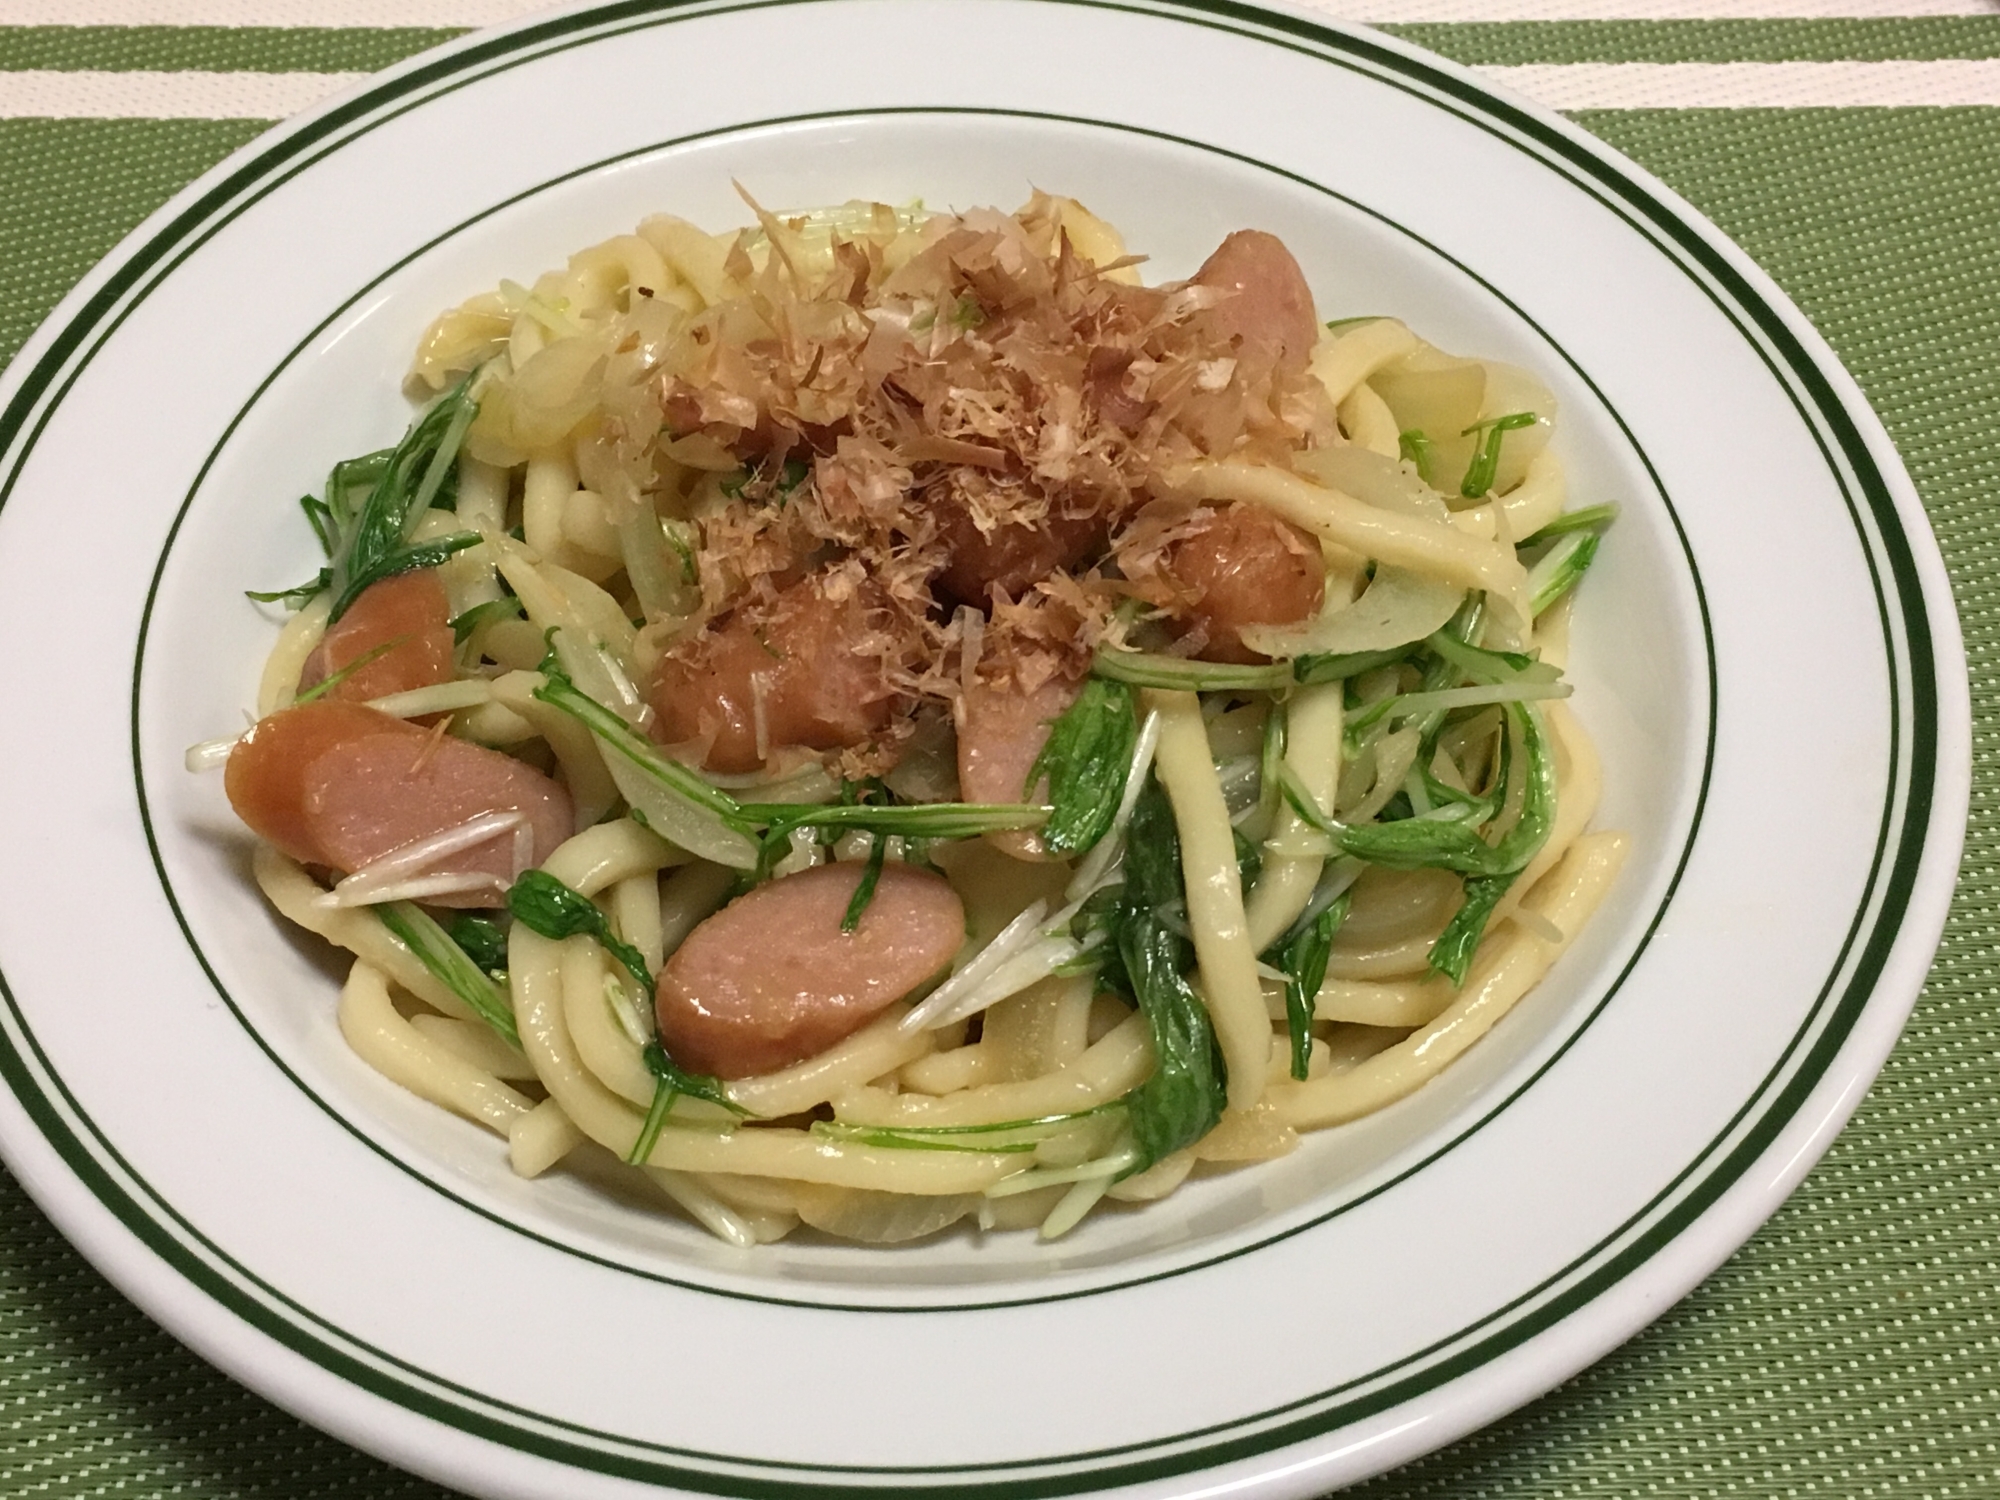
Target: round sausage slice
340 785
1245 566
1271 313
407 619
771 980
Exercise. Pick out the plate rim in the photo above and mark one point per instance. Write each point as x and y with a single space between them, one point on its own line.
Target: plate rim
1834 403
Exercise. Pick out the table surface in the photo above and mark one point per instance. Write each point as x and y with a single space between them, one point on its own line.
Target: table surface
1852 1347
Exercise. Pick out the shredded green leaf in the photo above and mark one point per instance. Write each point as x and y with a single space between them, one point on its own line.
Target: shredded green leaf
864 893
463 626
1486 461
453 967
545 905
1085 759
1183 1098
1419 450
1302 953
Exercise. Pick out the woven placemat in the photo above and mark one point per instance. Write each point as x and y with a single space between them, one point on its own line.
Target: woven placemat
1852 1348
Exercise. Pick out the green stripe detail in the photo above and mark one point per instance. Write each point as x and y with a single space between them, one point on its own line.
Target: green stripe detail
212 49
1919 39
77 187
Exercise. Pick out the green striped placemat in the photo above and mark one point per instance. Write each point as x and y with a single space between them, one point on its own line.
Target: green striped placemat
1852 1348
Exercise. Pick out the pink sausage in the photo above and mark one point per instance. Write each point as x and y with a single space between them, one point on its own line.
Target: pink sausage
771 980
409 615
1004 730
1272 312
340 785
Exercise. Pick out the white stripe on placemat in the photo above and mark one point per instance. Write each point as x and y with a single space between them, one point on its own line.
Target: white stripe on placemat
456 13
1777 85
164 96
1791 85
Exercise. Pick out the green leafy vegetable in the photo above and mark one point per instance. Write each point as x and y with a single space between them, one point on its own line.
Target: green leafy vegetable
463 626
1451 954
545 905
1417 843
372 542
1086 757
1486 461
671 1082
453 967
1183 1098
484 941
1560 568
1302 954
1419 450
864 892
1589 518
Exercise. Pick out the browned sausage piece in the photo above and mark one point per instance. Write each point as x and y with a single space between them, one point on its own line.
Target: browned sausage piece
1013 558
410 616
1245 566
771 980
341 785
1272 311
821 689
1003 731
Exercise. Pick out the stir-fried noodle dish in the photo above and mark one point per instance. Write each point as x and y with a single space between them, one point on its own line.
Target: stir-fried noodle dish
881 719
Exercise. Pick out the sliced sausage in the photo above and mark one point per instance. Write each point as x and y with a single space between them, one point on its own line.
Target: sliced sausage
407 614
1013 558
1271 312
771 980
1244 566
340 785
821 685
1004 728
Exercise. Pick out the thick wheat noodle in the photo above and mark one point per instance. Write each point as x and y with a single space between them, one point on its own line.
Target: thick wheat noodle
608 853
1393 1002
395 1049
1538 499
541 1138
1505 970
878 1049
356 929
1114 1065
635 912
1226 962
603 1046
1406 541
719 1218
1314 728
551 480
476 1042
278 684
1343 363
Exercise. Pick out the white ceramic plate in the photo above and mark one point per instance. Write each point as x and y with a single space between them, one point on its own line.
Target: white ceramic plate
1767 655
